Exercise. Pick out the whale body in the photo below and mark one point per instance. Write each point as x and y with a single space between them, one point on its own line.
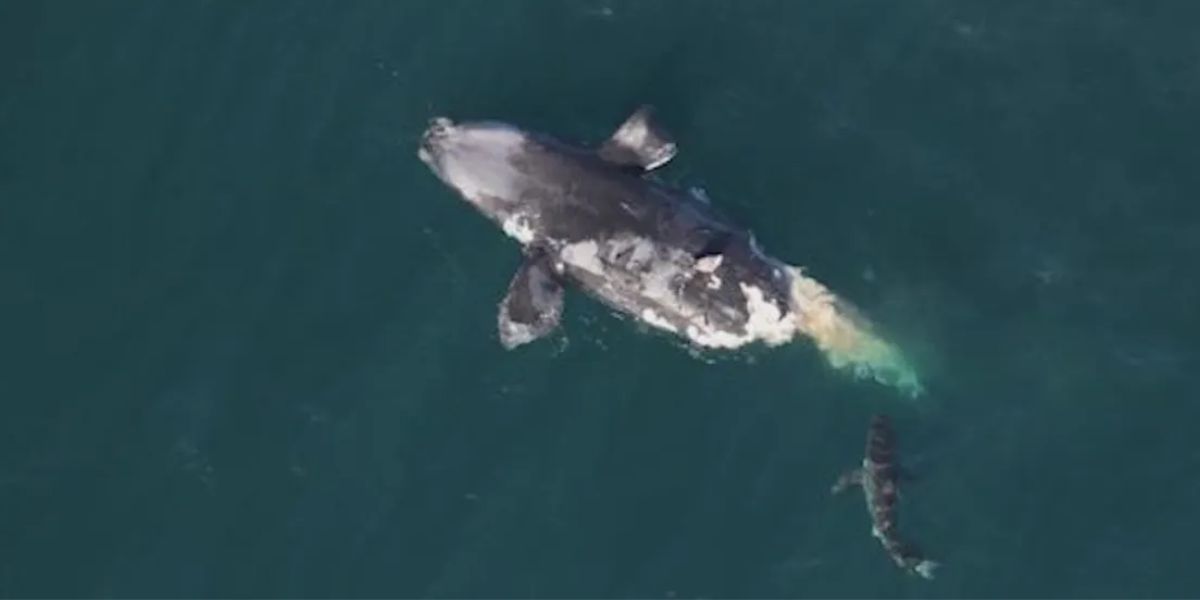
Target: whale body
597 219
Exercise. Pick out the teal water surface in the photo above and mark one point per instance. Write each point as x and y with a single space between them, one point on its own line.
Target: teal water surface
249 340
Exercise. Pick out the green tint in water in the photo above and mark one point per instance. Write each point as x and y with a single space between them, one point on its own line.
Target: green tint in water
848 339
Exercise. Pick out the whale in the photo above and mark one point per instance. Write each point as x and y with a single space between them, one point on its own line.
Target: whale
600 219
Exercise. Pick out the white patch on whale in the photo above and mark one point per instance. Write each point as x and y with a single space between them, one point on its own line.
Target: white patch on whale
643 252
519 227
649 316
708 264
513 334
765 321
583 255
715 338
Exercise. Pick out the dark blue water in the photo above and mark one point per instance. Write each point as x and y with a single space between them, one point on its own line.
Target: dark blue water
249 340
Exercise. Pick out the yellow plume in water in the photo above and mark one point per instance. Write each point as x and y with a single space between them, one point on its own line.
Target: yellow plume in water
846 338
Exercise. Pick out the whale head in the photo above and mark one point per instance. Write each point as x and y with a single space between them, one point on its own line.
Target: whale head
476 159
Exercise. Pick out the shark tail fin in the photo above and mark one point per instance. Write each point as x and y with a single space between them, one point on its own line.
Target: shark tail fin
926 567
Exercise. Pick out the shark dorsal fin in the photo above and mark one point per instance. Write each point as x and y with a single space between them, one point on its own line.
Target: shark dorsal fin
639 141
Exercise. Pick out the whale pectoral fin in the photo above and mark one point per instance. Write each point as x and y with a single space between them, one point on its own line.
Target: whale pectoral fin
533 305
639 141
848 479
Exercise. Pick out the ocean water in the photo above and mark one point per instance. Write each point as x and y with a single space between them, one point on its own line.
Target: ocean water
249 340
